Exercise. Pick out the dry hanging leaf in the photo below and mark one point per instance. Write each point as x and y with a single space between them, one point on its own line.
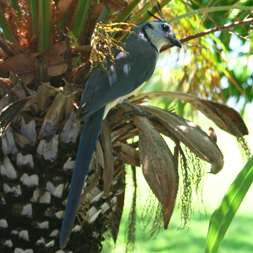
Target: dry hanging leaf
191 135
127 153
99 156
108 157
124 132
117 214
223 116
158 166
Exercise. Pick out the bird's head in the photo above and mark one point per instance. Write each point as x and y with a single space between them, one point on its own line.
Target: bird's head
160 34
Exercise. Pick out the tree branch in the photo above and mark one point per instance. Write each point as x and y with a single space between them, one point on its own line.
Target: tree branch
246 21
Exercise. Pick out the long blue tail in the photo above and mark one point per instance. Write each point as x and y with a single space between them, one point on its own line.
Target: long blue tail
87 145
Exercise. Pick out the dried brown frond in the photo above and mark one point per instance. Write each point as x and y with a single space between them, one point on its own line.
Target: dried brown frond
131 229
116 5
108 157
117 211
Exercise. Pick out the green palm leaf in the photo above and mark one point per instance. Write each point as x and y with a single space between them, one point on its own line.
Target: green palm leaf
80 17
223 216
44 25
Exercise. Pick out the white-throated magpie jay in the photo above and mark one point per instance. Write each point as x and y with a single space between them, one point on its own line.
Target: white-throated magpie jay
130 69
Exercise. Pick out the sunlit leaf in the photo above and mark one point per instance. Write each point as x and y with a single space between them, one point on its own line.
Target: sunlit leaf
224 214
224 116
211 9
191 135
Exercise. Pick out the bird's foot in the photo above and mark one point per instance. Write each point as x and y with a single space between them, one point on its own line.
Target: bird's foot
134 110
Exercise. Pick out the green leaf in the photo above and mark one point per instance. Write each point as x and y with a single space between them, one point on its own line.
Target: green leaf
14 4
44 25
7 32
34 13
210 10
223 216
80 17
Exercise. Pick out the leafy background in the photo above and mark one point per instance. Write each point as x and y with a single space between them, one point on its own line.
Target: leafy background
217 66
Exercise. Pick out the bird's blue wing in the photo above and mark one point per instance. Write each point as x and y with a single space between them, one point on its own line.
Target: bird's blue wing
131 68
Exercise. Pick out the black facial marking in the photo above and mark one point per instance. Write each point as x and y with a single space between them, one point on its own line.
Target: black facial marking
165 27
149 25
146 35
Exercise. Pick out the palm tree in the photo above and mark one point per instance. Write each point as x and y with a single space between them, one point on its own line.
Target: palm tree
46 51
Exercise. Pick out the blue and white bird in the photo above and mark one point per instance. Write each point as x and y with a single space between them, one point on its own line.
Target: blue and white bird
131 68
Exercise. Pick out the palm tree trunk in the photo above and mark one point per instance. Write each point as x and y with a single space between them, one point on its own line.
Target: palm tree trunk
35 172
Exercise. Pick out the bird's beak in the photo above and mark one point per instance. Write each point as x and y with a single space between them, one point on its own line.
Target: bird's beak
174 41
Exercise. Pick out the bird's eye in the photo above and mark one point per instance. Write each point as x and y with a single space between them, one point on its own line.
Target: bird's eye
165 27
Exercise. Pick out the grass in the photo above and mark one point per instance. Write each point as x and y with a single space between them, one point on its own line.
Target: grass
190 240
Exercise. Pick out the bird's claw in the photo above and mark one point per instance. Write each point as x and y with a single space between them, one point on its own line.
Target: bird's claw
134 110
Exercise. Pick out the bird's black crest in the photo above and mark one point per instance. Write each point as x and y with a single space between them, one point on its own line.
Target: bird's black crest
154 16
157 8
